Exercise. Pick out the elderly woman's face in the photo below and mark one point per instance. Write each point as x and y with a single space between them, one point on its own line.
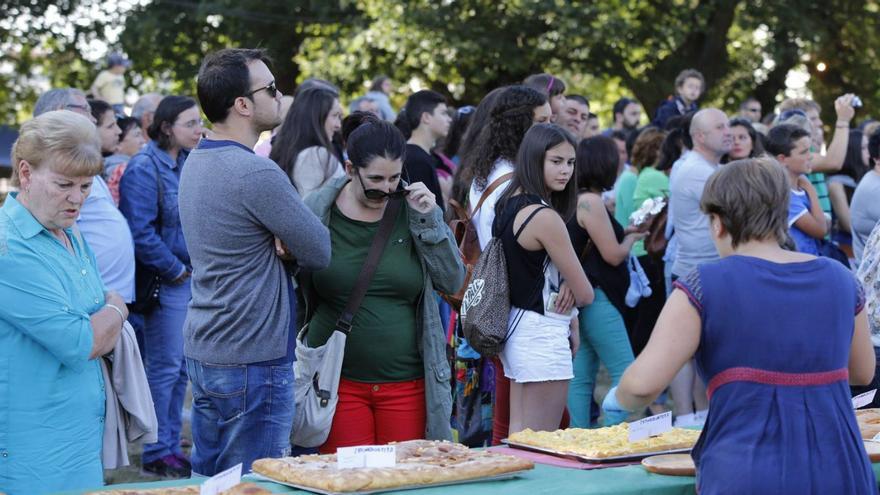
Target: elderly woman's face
52 198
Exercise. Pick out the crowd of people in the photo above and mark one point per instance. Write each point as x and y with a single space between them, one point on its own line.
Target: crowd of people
751 290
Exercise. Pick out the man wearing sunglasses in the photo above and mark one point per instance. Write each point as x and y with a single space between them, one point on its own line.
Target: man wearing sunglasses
240 333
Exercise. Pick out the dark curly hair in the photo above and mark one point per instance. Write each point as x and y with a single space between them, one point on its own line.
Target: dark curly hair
508 122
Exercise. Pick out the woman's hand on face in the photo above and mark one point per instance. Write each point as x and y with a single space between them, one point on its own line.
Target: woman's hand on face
420 198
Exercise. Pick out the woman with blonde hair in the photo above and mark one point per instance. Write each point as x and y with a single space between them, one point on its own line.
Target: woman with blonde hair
56 319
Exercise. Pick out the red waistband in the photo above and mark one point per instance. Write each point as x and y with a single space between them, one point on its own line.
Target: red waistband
775 378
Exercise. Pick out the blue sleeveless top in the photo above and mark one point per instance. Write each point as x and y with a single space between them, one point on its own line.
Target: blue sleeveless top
774 350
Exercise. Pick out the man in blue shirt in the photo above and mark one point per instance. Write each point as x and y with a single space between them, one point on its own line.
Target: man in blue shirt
100 221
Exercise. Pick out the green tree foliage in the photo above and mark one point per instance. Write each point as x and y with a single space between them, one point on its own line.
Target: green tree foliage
463 48
40 47
168 38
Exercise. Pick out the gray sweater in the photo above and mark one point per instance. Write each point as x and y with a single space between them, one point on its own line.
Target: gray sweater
864 211
232 203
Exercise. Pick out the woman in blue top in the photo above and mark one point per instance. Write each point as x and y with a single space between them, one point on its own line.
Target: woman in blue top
148 199
56 318
777 335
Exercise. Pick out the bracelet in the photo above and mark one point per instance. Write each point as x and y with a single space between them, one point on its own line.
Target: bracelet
115 308
841 124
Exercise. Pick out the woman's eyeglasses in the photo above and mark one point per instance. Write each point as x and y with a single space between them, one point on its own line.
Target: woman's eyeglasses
270 88
380 194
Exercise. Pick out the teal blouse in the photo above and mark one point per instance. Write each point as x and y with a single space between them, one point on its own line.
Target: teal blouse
51 393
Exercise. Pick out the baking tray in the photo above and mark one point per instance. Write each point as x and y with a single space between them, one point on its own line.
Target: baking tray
500 477
637 456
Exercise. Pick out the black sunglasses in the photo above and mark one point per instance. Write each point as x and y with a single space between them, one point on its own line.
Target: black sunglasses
380 194
271 89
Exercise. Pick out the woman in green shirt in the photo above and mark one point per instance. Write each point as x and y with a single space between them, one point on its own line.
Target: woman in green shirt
651 183
395 377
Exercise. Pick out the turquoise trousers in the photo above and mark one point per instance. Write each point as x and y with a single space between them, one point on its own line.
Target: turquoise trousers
603 338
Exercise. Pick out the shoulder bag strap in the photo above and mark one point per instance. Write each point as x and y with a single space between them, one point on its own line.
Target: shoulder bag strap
489 190
343 324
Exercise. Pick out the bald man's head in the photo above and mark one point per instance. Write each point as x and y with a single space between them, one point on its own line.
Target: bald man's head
710 132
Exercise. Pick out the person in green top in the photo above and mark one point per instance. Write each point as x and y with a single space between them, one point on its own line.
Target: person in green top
395 383
626 182
651 183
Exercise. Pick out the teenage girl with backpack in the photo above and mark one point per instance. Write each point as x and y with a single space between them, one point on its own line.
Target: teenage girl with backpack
545 277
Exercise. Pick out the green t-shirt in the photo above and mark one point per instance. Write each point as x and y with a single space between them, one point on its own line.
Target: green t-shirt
650 184
818 181
623 201
383 345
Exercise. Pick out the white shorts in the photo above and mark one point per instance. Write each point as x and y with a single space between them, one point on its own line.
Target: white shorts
538 348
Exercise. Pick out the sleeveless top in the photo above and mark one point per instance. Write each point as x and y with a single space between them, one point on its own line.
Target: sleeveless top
613 280
774 350
533 278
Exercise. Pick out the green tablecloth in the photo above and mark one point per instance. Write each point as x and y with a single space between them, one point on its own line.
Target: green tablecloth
543 480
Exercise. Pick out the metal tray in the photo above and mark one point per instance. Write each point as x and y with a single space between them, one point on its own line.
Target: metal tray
637 456
500 477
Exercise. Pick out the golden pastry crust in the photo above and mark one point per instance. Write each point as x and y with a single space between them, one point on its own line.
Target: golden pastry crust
239 489
611 441
869 422
419 462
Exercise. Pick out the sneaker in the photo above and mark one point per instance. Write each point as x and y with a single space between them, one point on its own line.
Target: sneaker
167 467
700 416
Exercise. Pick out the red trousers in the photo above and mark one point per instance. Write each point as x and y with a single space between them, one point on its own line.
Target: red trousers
501 408
377 413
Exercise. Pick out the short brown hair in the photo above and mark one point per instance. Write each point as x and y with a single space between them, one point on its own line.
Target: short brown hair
646 150
67 137
750 197
688 74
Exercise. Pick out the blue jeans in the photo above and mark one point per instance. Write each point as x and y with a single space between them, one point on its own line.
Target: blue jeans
163 343
603 336
241 413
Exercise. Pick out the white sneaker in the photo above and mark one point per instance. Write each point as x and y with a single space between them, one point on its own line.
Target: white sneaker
700 416
685 420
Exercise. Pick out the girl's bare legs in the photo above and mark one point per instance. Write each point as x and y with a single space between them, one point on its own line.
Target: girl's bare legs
537 405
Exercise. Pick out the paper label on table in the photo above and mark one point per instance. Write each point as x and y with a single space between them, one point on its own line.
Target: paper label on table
221 482
366 456
864 399
650 426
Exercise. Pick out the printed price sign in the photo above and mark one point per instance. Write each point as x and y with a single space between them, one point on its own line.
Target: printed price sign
221 481
650 426
366 456
864 399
